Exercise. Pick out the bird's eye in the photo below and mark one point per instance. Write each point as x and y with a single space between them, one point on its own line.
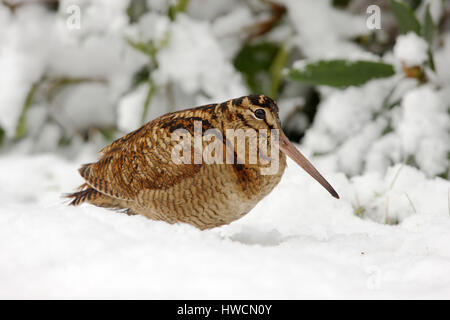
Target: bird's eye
260 113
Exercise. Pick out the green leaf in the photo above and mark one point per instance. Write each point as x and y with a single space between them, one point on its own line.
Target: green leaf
341 73
148 48
429 33
414 4
108 133
406 19
136 9
21 128
2 135
151 92
342 4
276 70
429 28
180 6
255 62
65 141
141 76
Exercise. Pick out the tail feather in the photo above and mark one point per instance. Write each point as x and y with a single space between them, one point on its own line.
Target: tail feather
82 196
88 194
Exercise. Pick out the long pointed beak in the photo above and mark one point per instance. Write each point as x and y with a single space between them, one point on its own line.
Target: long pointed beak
288 148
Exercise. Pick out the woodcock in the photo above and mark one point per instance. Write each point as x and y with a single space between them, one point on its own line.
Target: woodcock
137 174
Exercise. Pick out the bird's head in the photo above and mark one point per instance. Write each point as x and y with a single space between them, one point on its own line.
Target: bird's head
261 112
254 112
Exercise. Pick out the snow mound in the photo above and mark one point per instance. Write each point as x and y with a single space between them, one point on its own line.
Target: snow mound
411 49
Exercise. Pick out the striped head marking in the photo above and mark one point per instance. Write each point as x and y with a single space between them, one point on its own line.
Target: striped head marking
255 111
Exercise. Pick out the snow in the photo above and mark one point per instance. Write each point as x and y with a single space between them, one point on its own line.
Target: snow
228 28
53 51
346 123
153 26
184 61
131 108
436 9
424 129
86 105
411 49
297 243
19 69
350 126
337 25
441 59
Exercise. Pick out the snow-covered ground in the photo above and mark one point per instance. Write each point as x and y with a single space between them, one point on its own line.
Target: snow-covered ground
297 243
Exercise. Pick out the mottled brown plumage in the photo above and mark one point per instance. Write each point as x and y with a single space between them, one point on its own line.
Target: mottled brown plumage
136 172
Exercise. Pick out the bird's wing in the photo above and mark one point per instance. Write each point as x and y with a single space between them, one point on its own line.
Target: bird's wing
141 160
